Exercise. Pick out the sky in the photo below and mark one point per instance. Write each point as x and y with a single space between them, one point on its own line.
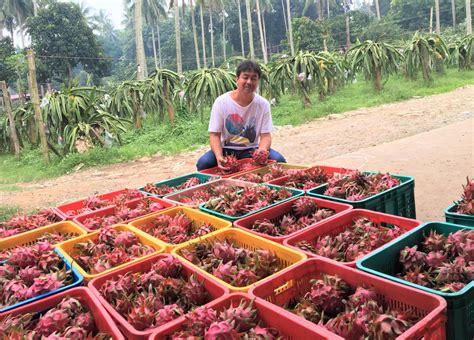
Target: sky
113 7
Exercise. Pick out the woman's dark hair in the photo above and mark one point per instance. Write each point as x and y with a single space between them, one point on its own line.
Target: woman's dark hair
248 65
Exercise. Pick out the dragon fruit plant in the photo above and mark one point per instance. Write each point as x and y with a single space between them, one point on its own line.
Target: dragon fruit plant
466 204
50 238
351 312
175 229
31 271
440 262
355 185
166 189
110 249
151 299
236 322
70 319
123 213
22 223
306 179
205 194
274 171
354 242
244 201
234 265
304 212
94 202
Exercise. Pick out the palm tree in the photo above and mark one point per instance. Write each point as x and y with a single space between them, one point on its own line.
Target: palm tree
139 46
260 28
177 32
241 30
154 10
203 36
377 9
290 29
249 27
20 10
468 17
195 39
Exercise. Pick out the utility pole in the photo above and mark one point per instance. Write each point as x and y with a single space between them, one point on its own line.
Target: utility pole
36 103
8 108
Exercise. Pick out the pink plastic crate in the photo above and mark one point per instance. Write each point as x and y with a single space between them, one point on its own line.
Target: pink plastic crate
80 219
215 170
344 221
275 212
295 281
288 325
102 319
215 289
66 211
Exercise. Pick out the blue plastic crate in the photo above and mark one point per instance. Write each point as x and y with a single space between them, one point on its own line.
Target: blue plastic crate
77 281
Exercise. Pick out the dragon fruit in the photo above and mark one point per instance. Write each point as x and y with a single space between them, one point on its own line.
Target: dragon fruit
260 157
466 204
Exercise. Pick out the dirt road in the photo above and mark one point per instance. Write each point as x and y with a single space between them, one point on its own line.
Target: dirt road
430 138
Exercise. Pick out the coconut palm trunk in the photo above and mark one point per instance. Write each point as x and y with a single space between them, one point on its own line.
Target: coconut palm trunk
212 38
195 38
260 29
438 25
468 17
241 29
249 28
223 37
154 47
139 46
177 30
290 29
203 37
377 9
159 44
453 11
319 9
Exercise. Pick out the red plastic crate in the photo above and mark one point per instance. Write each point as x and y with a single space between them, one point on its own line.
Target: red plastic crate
288 325
327 169
294 282
110 211
215 170
275 212
102 319
215 289
344 221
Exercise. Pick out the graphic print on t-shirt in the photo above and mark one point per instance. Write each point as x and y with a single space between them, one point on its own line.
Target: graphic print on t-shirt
241 134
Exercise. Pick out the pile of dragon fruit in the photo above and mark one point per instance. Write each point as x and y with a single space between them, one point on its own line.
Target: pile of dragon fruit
304 212
306 179
231 263
175 229
444 263
49 238
110 249
95 203
203 195
230 164
150 299
354 185
242 202
70 319
164 189
466 204
31 271
123 212
234 322
356 241
274 171
22 223
351 312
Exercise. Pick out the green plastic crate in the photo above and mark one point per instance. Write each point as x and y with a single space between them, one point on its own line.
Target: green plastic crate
453 217
295 193
203 178
399 200
384 263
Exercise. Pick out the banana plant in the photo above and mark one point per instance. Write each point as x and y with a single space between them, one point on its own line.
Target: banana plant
375 59
205 85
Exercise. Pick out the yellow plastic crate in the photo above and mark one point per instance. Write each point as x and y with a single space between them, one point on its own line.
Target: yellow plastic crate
66 248
286 256
30 237
266 169
193 214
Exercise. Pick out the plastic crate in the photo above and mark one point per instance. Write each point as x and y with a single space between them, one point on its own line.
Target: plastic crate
399 200
276 212
326 169
384 263
215 290
30 237
80 219
453 217
58 218
295 193
286 324
266 169
64 209
193 214
77 281
295 282
177 197
342 222
215 170
203 178
103 321
66 248
286 256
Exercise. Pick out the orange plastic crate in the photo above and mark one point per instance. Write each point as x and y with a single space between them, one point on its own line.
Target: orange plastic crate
295 282
266 169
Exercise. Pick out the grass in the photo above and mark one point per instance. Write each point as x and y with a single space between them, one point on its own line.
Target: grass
190 132
6 212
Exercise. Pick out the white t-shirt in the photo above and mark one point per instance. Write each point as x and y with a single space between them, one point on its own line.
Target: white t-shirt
240 127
